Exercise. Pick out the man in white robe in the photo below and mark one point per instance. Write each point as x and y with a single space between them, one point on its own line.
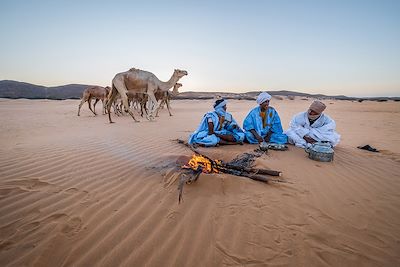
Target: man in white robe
312 126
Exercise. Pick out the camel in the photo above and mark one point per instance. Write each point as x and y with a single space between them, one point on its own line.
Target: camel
166 97
160 95
139 99
140 81
97 92
133 98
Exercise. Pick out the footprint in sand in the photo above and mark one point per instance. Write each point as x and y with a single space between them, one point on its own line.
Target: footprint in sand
5 244
72 190
72 226
10 191
29 227
29 184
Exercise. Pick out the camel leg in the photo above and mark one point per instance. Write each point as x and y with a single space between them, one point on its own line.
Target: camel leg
104 102
144 103
94 106
119 85
116 108
168 107
161 104
143 108
90 106
110 102
122 110
80 104
126 106
154 108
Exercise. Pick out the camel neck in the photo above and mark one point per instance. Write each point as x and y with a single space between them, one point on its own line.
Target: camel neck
164 86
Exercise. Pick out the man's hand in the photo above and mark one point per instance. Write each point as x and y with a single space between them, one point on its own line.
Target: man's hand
210 128
268 136
309 139
257 136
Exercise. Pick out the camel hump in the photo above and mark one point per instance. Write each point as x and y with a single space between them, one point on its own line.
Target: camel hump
134 73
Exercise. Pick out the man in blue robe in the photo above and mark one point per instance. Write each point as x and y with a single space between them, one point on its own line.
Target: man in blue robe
263 123
217 127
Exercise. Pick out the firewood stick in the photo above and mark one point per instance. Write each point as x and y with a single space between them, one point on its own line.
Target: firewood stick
252 176
254 170
256 177
251 170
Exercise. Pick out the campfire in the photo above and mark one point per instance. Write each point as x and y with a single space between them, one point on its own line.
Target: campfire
240 167
202 163
206 165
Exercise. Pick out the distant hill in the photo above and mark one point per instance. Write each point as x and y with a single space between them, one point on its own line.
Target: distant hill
278 94
15 89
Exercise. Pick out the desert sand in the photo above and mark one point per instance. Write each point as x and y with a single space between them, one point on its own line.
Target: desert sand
78 191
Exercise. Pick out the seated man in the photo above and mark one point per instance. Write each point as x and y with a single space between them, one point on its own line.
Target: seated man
312 126
263 123
217 127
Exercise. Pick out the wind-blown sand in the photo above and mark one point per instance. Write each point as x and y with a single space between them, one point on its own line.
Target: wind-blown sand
77 191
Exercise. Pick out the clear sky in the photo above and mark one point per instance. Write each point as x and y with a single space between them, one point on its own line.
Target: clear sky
330 47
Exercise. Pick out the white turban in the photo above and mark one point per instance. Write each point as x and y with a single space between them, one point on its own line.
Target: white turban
221 104
264 96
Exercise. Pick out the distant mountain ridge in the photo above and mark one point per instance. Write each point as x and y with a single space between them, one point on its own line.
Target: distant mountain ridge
253 95
15 89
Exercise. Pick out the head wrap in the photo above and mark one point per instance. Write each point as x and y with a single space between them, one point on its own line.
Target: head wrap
219 106
264 96
317 106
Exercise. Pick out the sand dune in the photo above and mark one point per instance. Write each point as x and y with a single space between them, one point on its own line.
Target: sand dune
77 191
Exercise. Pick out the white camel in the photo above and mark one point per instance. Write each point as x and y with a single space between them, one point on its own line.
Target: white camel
96 92
140 81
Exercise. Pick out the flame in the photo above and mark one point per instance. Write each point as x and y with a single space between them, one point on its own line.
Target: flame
199 161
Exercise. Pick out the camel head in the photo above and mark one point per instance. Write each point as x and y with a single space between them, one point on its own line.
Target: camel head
180 73
175 90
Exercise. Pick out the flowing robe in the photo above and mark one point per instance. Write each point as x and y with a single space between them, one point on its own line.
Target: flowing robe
228 127
272 123
323 129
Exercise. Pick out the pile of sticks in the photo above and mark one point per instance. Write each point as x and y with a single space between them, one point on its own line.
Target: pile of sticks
244 171
240 166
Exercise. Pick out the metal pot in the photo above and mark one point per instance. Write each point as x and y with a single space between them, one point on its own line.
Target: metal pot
320 151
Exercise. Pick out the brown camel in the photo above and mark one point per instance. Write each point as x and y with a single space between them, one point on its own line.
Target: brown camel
160 95
140 81
166 97
96 92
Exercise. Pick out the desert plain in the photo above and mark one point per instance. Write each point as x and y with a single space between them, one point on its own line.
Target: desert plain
78 191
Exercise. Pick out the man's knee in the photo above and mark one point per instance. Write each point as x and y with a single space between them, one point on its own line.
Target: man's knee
279 138
239 137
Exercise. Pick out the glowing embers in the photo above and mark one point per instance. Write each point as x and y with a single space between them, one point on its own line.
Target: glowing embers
207 165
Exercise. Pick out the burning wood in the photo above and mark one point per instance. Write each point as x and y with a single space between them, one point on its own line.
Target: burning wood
206 164
217 166
240 166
